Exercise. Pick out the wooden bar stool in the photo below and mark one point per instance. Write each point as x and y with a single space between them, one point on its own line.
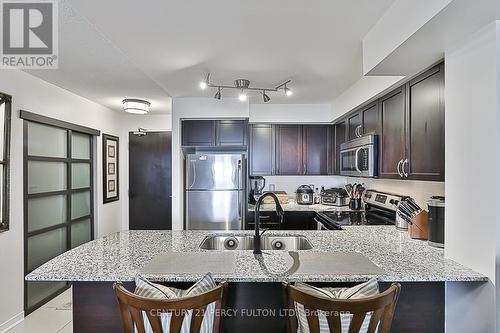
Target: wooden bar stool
133 306
381 308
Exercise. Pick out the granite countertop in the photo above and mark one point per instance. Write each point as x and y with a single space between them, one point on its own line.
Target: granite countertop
300 208
120 256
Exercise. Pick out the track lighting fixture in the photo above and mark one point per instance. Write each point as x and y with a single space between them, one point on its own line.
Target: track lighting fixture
244 85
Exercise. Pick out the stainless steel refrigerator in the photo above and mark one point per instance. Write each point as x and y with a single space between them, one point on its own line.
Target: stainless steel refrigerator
215 191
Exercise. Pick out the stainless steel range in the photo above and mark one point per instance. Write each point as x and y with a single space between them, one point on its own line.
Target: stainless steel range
380 209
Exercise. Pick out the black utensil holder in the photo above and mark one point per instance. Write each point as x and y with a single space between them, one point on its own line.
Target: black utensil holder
355 204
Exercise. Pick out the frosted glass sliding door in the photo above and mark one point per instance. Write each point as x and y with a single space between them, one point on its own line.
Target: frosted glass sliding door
58 199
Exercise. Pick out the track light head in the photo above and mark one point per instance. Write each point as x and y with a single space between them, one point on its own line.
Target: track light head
242 97
288 92
265 97
218 94
204 84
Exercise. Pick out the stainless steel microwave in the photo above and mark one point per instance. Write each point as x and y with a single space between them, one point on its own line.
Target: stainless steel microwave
359 157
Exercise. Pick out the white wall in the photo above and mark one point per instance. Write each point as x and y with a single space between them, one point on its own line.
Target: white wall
472 151
290 113
398 23
366 88
131 123
34 95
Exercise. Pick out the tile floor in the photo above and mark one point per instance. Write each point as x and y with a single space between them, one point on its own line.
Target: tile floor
53 317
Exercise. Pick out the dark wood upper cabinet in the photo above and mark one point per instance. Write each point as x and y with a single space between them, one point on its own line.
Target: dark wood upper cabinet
371 119
289 150
232 132
354 125
426 126
198 132
340 138
261 149
393 134
316 149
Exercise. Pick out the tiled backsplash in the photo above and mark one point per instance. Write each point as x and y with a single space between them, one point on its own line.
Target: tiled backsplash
419 190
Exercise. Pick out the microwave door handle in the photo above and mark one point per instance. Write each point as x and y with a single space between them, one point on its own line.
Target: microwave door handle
356 160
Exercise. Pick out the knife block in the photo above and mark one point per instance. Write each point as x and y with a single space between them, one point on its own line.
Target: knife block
419 228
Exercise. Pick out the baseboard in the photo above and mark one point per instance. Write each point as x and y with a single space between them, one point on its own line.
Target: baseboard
5 326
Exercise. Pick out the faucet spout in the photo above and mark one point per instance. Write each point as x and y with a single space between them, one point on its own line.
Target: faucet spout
279 212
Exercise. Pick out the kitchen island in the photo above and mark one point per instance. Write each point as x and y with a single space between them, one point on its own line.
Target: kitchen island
255 282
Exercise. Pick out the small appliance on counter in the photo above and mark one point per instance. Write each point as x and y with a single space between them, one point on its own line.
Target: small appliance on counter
305 195
334 196
257 184
436 206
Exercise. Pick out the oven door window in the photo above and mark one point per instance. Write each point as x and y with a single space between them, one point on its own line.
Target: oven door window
348 160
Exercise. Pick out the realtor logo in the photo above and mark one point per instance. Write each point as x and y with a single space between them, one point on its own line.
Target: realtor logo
29 34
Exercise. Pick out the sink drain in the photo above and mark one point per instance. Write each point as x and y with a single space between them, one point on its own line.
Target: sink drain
277 245
231 243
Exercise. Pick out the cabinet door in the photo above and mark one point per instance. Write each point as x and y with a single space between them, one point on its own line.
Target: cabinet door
426 126
198 133
261 149
354 126
393 133
231 132
316 149
340 138
288 149
371 119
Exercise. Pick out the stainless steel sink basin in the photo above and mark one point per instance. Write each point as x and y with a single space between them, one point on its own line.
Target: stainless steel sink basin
284 243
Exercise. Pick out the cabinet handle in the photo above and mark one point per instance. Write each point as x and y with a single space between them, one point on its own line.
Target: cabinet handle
403 167
400 173
360 131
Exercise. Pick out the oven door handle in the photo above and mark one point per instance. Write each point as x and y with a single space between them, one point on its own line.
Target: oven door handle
356 160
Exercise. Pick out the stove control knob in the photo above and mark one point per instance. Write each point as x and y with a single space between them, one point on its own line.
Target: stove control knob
394 202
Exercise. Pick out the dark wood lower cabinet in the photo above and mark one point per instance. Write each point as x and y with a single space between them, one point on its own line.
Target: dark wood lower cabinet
258 307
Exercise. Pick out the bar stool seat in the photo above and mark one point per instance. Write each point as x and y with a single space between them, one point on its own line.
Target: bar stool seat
132 308
379 309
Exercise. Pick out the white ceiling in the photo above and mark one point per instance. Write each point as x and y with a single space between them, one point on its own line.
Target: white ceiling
157 49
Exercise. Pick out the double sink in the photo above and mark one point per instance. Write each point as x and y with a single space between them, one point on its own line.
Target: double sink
229 242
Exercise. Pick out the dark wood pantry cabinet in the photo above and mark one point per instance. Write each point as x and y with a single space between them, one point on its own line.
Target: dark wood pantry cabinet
317 152
393 135
261 150
425 155
289 150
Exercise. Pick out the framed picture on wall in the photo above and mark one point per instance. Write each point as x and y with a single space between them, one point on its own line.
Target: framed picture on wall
110 162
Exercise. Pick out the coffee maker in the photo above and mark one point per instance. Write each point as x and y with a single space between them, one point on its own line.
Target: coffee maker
257 184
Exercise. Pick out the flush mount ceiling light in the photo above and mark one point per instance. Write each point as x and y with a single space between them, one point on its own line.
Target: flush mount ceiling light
136 106
243 85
